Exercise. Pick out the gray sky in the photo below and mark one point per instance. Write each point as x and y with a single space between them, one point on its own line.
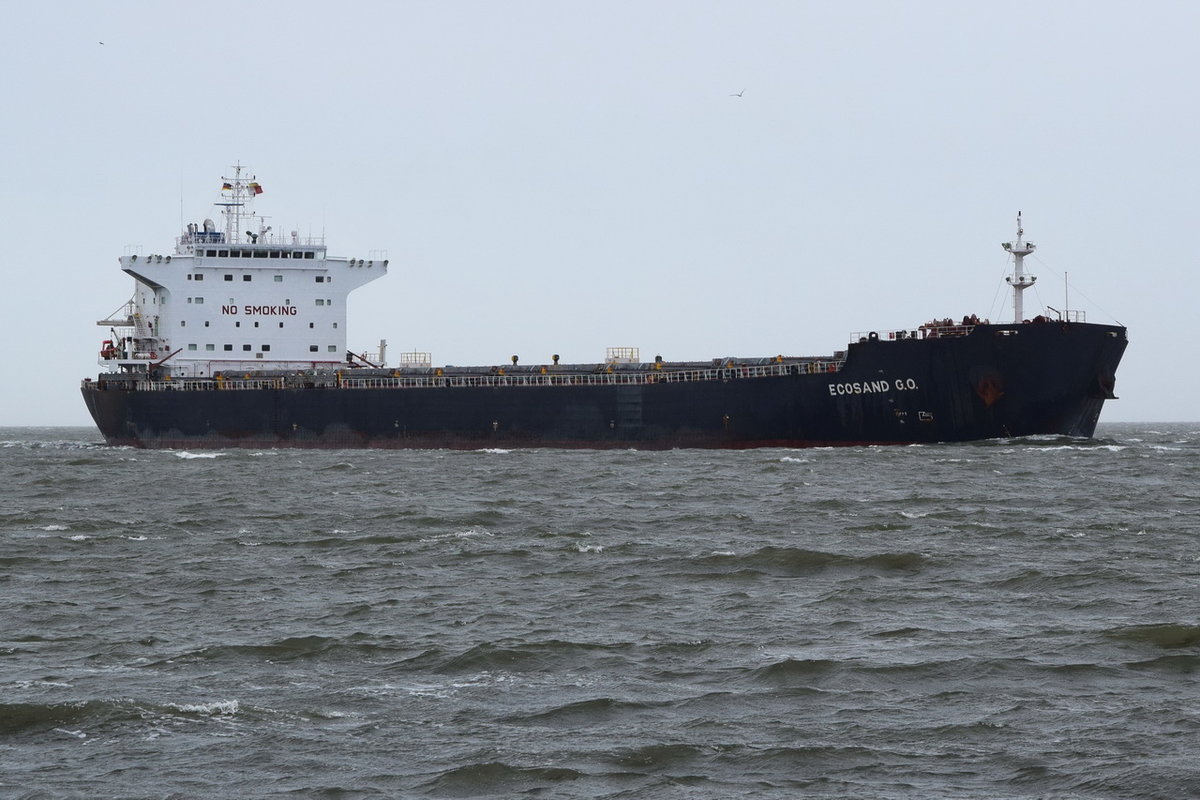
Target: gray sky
561 177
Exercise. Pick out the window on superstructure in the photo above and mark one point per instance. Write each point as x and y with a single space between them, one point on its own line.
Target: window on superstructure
281 324
320 278
258 355
320 302
246 347
210 347
335 325
189 276
223 253
183 323
237 324
310 324
312 348
200 300
256 323
247 277
191 347
235 253
297 255
228 277
210 253
279 279
206 323
199 277
274 254
333 348
310 255
266 348
285 254
228 347
260 253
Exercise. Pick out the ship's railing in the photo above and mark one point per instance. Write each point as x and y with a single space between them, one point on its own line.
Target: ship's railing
346 380
926 331
219 239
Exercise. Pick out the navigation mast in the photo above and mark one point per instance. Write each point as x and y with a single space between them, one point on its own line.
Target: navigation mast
1019 280
238 201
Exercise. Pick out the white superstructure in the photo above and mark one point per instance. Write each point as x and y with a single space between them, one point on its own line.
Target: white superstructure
241 298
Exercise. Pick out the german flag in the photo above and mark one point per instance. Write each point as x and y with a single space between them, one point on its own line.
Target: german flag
225 187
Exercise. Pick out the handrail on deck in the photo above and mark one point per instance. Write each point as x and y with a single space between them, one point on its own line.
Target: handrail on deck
336 380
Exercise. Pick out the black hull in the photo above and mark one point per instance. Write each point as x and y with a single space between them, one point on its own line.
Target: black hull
998 381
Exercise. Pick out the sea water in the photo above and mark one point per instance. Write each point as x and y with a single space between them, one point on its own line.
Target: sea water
1006 619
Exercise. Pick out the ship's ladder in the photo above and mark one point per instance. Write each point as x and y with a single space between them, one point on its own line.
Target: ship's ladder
141 328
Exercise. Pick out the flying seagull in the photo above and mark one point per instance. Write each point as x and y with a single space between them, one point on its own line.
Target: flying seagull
738 94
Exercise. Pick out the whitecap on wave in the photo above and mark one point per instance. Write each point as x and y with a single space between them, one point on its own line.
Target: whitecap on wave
219 708
187 454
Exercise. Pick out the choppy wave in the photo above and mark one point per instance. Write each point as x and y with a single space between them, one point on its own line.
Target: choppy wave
1001 619
798 562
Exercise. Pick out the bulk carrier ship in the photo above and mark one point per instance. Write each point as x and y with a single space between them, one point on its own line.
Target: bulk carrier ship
238 338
